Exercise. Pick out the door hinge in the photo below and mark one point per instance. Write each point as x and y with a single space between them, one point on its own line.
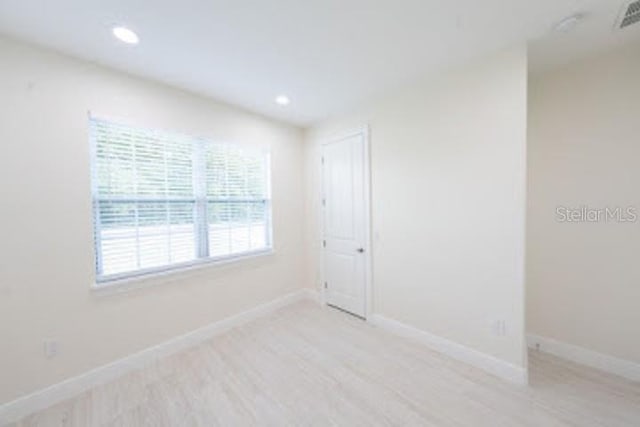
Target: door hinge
324 202
326 285
322 160
324 243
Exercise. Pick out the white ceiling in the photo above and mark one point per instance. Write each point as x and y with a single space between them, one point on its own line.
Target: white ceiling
326 55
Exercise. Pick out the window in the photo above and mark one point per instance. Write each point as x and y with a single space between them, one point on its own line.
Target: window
163 200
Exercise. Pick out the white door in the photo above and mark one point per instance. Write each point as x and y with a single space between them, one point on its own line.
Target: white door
344 234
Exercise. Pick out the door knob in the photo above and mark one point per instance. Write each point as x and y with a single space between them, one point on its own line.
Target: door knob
360 250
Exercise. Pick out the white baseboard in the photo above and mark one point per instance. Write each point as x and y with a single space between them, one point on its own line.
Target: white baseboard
23 406
488 363
583 356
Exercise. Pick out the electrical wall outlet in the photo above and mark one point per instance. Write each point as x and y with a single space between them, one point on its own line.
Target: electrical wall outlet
499 328
50 348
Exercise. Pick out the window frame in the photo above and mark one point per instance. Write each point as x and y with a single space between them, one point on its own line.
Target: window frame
201 222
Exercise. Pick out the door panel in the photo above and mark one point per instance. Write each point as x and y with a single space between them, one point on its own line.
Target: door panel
339 191
344 224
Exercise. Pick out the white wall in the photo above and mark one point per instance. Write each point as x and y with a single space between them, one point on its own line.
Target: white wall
583 279
448 203
46 248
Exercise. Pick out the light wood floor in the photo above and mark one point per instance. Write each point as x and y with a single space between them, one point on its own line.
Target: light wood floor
308 366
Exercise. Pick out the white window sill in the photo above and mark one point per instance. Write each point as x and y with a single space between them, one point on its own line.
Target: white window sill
170 274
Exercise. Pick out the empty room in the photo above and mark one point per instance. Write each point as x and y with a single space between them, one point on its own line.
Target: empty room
320 213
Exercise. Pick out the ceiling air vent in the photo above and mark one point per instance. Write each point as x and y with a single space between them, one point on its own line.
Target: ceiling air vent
630 14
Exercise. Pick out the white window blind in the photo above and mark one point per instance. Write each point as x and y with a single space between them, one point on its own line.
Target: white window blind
164 200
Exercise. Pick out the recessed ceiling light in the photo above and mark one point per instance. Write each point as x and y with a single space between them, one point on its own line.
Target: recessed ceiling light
125 35
568 23
283 100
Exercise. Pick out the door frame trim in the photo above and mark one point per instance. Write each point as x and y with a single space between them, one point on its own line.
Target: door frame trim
368 263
